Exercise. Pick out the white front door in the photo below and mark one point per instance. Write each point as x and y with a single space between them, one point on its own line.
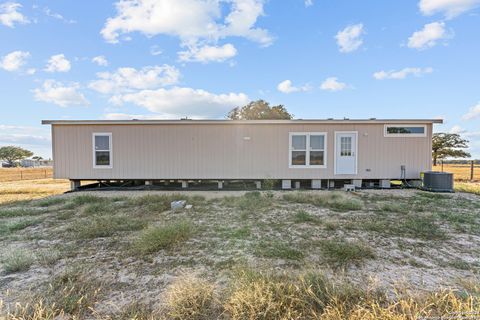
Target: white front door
345 152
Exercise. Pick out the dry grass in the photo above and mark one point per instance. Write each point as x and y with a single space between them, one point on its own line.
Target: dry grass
461 172
15 174
467 187
13 191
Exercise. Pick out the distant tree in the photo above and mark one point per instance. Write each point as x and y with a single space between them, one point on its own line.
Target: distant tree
259 110
448 145
12 154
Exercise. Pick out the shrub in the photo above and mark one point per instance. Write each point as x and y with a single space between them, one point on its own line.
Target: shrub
164 237
190 298
17 260
342 253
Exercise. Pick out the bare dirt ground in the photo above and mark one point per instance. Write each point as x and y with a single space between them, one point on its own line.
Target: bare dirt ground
383 238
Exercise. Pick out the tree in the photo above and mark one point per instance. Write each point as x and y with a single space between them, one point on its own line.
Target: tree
259 110
448 145
37 158
12 154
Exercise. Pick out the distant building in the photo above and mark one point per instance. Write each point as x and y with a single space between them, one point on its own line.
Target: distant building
31 163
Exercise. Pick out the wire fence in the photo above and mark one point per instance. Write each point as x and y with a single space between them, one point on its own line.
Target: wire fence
461 172
16 174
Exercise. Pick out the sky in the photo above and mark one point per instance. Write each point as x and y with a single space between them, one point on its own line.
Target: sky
167 59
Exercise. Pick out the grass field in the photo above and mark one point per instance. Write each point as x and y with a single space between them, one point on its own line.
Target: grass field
375 254
12 191
461 172
15 174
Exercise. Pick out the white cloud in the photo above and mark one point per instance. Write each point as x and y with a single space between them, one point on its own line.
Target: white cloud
14 60
155 50
62 95
428 36
57 16
350 38
308 3
9 14
287 87
180 102
332 84
58 63
16 135
100 60
473 112
127 79
208 53
401 74
194 22
450 8
457 129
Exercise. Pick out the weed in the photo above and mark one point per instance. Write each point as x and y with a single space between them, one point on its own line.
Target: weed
17 260
12 226
99 208
334 200
250 202
50 201
303 216
278 250
190 298
164 237
342 253
21 212
74 292
104 226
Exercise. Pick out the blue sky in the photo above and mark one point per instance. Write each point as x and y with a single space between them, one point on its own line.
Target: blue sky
200 58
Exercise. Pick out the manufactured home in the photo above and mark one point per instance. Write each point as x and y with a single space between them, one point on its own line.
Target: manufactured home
316 153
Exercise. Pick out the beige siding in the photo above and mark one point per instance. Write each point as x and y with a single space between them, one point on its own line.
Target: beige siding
219 151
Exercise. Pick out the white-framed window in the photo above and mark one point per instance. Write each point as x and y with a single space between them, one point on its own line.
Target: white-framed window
308 150
102 150
405 130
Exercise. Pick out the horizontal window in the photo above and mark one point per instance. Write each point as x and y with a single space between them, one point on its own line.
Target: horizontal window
102 150
307 149
405 130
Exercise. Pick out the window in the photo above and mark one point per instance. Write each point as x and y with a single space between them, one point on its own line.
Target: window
102 150
307 149
346 146
405 130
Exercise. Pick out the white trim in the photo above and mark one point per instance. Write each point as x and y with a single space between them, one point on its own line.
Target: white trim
234 122
307 150
409 135
335 153
102 134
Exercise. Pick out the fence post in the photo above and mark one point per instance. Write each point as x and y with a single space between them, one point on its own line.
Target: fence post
442 165
45 173
471 170
21 175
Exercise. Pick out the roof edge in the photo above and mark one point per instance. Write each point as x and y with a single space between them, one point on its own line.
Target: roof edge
303 121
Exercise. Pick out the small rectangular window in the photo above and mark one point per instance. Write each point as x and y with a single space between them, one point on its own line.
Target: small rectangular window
307 149
102 150
405 130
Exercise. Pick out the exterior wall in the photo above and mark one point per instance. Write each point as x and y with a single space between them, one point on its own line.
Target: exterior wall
219 151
